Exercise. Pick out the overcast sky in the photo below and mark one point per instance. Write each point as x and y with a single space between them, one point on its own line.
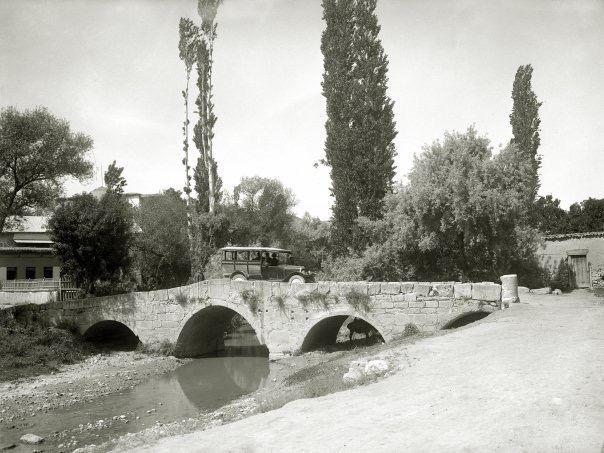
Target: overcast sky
111 68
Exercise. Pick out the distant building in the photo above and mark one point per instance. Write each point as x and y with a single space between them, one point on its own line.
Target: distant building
25 252
584 252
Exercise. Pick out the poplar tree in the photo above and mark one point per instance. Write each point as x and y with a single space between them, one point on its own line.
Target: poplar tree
525 126
207 183
360 125
187 46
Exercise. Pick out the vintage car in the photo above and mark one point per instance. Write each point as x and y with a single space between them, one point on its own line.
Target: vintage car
262 263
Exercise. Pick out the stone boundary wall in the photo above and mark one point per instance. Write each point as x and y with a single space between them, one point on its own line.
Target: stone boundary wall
26 297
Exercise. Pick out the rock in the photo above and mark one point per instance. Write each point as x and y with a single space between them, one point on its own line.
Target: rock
556 292
353 375
31 439
541 291
376 366
523 289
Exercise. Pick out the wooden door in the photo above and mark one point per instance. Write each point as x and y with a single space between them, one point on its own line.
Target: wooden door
578 264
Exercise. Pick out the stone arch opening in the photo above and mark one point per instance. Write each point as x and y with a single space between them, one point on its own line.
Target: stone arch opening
332 331
465 319
112 335
218 330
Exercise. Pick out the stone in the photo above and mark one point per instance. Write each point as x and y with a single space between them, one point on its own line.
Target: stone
556 292
423 288
376 366
31 439
541 291
462 290
486 291
408 287
523 290
390 288
352 375
443 289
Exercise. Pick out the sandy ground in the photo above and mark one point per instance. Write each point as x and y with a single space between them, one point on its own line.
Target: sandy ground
530 378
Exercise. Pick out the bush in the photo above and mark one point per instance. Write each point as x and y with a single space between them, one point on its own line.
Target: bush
358 300
251 299
314 297
563 279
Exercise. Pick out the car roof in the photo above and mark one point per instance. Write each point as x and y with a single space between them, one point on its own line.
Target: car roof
254 249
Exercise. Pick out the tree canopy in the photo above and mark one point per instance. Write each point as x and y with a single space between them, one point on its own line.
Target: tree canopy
460 217
37 152
93 238
163 242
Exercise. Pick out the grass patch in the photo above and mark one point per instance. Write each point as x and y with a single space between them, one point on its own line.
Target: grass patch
30 348
358 300
182 299
410 330
251 299
164 347
315 298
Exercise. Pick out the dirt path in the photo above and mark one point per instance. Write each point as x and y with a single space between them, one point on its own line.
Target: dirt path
527 379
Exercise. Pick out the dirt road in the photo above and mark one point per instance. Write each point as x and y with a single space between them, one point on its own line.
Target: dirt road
530 378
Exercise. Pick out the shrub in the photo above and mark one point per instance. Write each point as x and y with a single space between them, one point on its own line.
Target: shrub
164 347
314 297
251 299
410 330
562 278
358 300
280 302
182 299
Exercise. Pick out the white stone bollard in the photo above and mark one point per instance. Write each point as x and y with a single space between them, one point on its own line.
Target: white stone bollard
509 290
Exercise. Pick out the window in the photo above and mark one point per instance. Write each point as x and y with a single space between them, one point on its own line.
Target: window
30 273
47 272
11 273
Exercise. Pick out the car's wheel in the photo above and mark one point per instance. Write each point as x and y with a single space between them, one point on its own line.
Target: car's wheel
238 277
296 279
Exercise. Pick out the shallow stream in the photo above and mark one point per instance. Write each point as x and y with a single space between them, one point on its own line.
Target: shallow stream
202 385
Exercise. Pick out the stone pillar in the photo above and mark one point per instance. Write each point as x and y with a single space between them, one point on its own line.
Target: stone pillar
509 290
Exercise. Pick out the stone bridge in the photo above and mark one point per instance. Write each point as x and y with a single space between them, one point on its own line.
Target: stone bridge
285 317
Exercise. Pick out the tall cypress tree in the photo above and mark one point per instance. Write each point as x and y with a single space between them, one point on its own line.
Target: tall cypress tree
360 126
525 126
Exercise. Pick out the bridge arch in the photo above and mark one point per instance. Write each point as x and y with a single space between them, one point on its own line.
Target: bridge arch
203 330
464 319
111 334
323 331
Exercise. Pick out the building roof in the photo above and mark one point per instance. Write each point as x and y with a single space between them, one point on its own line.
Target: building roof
255 249
562 237
25 250
28 224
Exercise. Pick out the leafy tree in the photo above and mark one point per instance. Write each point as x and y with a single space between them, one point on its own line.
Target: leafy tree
163 242
525 126
586 216
460 217
37 152
309 241
261 212
210 231
93 238
360 126
114 181
548 217
207 183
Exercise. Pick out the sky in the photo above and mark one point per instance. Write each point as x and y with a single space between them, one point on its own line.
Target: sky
111 68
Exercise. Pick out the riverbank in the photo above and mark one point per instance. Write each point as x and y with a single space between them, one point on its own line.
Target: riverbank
530 378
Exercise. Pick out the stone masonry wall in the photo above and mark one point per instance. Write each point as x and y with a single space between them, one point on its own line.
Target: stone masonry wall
285 313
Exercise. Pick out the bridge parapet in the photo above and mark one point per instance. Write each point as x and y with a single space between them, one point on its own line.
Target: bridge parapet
286 317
